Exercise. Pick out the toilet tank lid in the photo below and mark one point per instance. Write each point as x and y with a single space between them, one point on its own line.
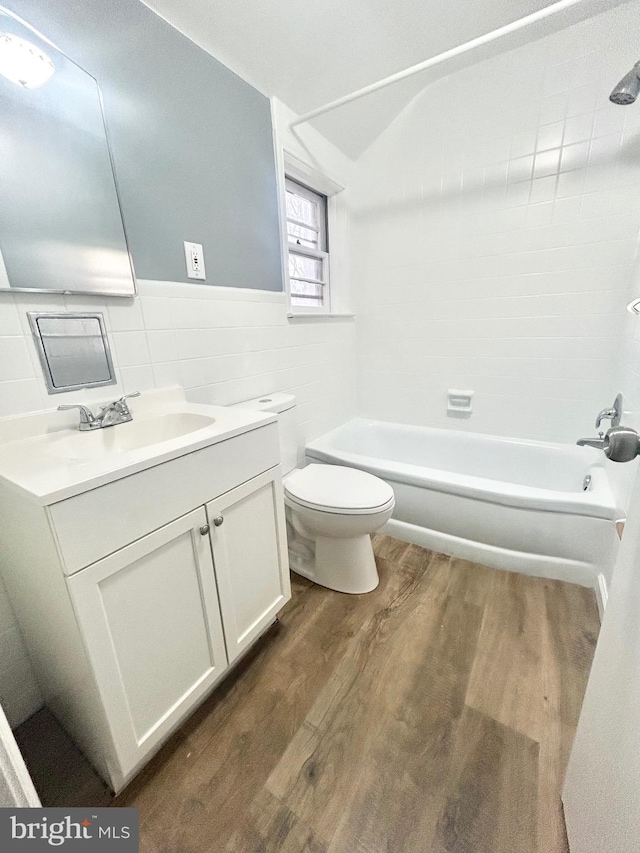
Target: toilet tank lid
276 403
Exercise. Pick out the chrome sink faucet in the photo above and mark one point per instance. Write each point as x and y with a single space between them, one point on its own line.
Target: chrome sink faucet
114 413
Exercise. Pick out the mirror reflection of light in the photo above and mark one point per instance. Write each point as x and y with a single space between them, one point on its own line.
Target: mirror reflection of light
92 269
24 63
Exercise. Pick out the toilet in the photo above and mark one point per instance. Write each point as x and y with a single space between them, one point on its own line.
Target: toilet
331 511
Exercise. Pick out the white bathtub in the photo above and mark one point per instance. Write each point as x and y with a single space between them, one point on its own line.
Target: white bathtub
507 503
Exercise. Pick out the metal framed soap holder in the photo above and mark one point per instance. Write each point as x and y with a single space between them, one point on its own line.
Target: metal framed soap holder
459 403
73 350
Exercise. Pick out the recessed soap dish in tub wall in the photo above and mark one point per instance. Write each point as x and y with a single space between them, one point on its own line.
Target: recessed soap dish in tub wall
459 403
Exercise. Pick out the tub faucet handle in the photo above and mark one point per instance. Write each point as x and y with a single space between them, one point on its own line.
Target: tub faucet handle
613 413
605 414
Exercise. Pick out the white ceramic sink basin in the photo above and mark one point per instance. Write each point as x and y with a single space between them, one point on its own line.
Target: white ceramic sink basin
124 438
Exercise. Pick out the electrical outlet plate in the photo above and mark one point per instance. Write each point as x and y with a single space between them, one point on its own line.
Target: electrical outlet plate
194 257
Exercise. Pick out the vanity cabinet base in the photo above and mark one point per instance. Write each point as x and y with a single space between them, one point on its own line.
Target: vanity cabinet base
126 647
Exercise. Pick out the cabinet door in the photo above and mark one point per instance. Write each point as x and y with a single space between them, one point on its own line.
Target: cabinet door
249 542
150 618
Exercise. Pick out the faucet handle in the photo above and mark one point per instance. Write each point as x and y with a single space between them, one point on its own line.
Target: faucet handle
613 414
605 414
121 403
121 400
86 415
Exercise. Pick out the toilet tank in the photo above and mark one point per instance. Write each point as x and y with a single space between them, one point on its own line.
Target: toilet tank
283 405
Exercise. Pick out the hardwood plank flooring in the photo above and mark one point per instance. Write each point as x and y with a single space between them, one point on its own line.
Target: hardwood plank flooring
433 715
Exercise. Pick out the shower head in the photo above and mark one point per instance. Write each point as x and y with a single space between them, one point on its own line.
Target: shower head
628 88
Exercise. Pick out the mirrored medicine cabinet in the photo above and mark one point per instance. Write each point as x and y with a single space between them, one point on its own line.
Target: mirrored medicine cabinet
61 227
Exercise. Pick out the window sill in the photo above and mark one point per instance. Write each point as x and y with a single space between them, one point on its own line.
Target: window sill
300 315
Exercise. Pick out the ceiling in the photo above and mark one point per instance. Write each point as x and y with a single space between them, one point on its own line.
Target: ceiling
309 53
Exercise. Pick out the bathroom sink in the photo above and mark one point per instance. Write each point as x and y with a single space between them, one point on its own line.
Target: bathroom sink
134 435
46 456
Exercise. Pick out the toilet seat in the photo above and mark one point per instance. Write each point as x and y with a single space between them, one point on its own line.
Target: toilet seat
337 489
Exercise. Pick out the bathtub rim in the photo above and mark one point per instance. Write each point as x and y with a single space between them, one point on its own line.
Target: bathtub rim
599 502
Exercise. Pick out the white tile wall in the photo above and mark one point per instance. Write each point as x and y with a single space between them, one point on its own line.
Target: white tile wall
222 345
629 378
497 224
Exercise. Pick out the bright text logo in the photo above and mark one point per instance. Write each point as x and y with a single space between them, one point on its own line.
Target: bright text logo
33 830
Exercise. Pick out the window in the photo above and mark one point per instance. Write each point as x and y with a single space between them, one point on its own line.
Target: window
307 239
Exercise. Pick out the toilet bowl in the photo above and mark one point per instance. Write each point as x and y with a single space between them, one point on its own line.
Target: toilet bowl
333 511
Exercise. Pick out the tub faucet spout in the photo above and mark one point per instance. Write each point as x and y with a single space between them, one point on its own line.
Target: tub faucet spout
620 444
591 442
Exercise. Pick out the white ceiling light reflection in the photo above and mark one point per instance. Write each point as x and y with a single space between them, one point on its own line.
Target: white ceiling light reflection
24 63
90 269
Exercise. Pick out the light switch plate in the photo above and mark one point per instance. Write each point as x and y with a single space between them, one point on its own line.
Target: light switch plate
194 257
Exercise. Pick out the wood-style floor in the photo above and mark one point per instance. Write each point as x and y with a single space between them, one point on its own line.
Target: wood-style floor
434 714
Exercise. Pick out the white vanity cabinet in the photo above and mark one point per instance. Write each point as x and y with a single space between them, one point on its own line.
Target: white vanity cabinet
150 620
249 540
152 613
136 596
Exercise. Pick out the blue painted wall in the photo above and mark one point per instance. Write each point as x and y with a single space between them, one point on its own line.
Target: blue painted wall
192 142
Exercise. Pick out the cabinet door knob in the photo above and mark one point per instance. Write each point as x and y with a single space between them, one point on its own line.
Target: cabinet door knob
204 529
218 520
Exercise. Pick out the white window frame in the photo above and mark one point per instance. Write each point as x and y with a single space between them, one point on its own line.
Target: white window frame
321 254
